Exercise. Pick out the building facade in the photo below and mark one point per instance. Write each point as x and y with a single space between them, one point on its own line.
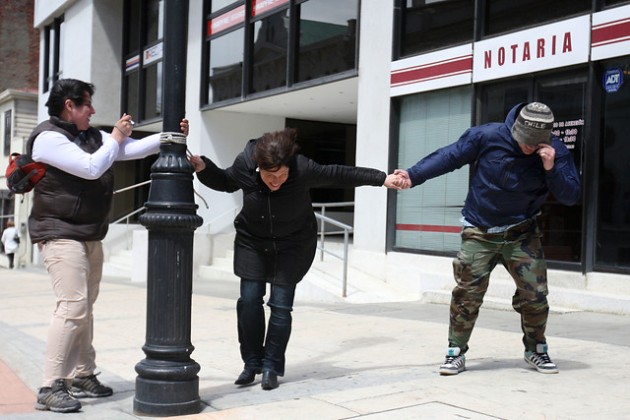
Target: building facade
377 84
19 54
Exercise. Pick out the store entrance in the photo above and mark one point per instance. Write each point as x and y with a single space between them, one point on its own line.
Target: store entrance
612 244
566 96
329 143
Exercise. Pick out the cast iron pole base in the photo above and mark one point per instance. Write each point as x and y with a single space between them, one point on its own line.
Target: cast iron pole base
166 396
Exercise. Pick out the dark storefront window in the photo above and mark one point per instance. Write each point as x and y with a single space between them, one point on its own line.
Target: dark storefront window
427 25
566 96
256 46
142 81
509 15
616 2
613 205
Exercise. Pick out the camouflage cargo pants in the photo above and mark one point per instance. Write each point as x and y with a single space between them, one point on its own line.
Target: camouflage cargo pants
520 251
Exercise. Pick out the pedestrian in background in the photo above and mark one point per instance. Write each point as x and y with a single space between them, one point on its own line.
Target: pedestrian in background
515 166
276 238
68 221
11 242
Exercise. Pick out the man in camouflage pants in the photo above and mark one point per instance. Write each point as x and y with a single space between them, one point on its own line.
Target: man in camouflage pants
516 165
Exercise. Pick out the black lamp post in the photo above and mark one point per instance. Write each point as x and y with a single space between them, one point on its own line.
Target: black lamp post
167 383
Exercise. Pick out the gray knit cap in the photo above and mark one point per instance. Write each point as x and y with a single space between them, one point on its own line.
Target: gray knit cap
533 124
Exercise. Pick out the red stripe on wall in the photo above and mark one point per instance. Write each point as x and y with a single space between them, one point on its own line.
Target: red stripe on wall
456 65
609 31
429 228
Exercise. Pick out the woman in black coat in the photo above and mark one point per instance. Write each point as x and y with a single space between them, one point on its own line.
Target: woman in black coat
276 237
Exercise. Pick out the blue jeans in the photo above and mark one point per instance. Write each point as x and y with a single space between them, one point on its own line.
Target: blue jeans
260 353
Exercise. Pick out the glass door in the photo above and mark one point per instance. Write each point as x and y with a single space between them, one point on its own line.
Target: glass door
566 95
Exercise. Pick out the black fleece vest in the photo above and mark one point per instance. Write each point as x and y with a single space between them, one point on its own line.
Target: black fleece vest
66 206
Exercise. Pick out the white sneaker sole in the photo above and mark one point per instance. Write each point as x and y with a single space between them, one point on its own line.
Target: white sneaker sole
541 369
448 371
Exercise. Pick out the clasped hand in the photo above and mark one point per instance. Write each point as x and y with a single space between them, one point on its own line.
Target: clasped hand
399 180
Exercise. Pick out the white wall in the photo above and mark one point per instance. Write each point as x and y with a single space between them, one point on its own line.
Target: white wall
46 10
370 219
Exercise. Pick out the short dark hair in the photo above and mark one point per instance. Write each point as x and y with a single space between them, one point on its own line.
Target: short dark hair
276 149
63 89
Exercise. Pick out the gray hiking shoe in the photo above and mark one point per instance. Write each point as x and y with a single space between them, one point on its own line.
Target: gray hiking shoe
57 398
455 362
541 360
89 386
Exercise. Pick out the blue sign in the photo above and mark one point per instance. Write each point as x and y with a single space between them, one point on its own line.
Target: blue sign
612 80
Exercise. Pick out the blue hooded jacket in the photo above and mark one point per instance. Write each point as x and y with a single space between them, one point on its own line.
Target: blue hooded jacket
507 186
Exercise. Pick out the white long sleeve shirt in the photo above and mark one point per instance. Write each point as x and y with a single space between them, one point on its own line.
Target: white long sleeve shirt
54 149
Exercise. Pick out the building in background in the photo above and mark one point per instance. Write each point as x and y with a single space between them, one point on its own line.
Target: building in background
376 84
19 55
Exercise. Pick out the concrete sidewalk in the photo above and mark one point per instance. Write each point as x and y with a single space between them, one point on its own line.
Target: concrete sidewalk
373 360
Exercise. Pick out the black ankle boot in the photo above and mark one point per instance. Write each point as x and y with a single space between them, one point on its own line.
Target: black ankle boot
247 376
269 380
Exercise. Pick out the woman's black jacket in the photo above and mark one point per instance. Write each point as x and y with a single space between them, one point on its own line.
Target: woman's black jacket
276 232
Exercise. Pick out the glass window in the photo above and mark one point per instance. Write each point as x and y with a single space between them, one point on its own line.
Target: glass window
133 14
613 203
508 15
327 40
155 20
430 24
499 98
220 4
428 218
143 55
153 91
226 66
615 2
53 53
132 89
271 37
277 44
7 132
7 204
562 225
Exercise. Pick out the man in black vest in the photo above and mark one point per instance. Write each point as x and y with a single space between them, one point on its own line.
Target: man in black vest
68 221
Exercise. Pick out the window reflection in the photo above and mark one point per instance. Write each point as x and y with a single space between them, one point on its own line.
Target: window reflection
133 81
508 15
291 42
220 4
153 91
155 13
327 38
270 52
226 66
